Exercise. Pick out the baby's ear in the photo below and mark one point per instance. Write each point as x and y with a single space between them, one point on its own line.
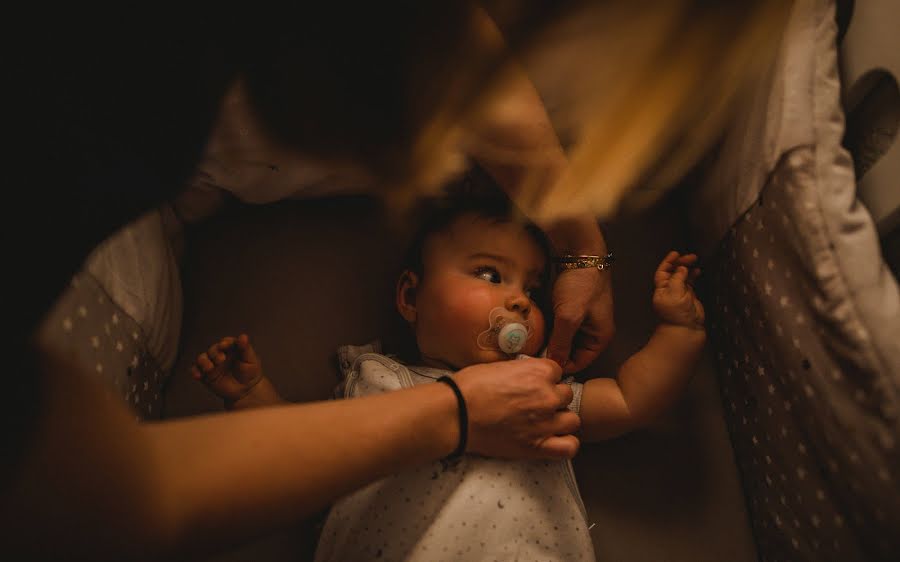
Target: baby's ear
406 295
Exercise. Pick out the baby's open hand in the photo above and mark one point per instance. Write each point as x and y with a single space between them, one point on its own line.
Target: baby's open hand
229 368
674 299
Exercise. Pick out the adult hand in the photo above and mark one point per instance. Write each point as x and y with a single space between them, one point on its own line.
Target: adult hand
583 320
517 409
582 300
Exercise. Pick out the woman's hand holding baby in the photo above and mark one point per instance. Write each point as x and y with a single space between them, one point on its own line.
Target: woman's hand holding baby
231 369
583 318
517 409
583 323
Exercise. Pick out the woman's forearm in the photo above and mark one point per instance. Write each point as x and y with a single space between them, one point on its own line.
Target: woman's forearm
95 484
275 465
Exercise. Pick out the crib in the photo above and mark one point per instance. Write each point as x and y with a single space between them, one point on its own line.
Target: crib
785 446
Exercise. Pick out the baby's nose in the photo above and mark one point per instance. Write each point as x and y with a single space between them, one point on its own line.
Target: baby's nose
519 303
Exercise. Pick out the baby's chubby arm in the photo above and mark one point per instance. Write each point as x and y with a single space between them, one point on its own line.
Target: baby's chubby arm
650 381
231 369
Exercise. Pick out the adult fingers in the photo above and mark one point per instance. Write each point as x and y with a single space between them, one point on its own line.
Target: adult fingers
565 394
575 293
582 358
561 423
565 326
558 447
593 337
550 369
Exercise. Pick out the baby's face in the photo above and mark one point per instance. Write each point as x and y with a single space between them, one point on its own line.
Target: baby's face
470 269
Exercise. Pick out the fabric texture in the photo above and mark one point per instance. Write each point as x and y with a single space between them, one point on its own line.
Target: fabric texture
476 508
120 317
776 116
137 268
87 326
805 316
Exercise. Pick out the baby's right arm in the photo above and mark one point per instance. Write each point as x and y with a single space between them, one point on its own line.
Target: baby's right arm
651 380
231 369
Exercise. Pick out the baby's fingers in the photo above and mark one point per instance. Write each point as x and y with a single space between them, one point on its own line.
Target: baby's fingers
687 259
679 279
216 354
248 354
664 271
204 365
218 351
668 262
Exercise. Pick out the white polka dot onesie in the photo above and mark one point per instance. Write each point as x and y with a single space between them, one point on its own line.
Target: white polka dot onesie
476 508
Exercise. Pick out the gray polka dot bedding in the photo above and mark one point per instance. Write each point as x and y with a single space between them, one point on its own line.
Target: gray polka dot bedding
808 367
804 318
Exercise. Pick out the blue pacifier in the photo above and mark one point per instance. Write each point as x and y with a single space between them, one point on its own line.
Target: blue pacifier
511 338
506 332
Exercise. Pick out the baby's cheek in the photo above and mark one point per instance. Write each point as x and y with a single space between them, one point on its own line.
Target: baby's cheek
465 322
537 338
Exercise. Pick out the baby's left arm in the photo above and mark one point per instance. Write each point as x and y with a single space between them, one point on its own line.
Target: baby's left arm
650 381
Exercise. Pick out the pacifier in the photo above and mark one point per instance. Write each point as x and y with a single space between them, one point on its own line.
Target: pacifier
506 332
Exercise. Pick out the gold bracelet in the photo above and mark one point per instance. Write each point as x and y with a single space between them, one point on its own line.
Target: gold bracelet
569 261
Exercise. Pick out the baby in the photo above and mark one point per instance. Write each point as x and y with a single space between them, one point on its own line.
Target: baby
472 293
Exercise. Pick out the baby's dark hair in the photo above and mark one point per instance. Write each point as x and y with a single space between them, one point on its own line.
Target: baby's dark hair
475 194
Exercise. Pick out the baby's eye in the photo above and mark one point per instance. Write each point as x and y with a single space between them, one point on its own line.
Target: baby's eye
488 274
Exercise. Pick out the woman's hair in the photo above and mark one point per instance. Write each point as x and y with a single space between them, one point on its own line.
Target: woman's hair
659 79
361 84
639 88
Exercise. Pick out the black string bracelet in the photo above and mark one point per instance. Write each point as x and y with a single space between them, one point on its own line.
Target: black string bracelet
463 418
